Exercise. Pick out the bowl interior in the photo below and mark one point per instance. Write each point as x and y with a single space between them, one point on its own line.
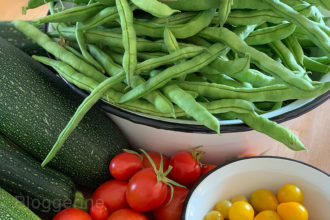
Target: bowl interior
247 175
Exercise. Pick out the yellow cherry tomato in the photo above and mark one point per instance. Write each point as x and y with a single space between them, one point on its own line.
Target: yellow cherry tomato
238 198
213 215
223 207
241 211
292 211
290 193
263 199
267 215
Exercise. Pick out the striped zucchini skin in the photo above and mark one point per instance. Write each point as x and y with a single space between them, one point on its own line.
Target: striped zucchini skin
35 106
12 209
45 189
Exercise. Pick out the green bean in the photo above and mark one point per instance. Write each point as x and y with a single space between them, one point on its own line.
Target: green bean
312 29
180 69
192 5
323 3
229 105
315 66
179 18
108 2
150 55
272 129
230 67
181 31
287 57
75 52
294 46
79 13
170 41
195 78
59 52
105 60
180 54
257 4
224 11
226 80
255 78
260 59
198 41
274 93
129 38
105 16
249 17
270 34
323 60
191 107
154 7
118 58
108 38
83 49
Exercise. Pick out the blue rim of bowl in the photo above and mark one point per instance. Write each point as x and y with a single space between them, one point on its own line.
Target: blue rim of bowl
192 128
191 191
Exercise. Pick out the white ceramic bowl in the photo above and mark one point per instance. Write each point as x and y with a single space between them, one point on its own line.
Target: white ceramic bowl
246 175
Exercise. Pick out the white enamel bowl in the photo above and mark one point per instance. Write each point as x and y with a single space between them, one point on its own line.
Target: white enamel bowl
246 175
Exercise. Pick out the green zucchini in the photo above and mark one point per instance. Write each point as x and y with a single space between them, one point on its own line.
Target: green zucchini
22 176
36 105
12 209
19 40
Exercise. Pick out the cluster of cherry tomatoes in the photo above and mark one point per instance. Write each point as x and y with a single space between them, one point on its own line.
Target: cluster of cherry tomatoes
145 186
286 205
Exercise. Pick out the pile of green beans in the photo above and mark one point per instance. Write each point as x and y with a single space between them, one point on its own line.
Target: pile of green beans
209 60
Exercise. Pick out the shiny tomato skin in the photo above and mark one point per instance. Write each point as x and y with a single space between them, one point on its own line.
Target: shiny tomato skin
174 208
186 169
156 159
112 193
207 168
72 214
144 193
127 214
99 211
124 165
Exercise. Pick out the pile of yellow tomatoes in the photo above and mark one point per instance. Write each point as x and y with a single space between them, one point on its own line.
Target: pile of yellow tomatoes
262 205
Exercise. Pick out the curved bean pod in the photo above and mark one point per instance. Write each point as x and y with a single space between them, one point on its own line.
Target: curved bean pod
191 107
287 57
179 18
275 93
83 49
294 46
315 66
154 7
106 15
59 52
224 11
272 129
181 31
270 34
79 13
129 38
263 61
108 38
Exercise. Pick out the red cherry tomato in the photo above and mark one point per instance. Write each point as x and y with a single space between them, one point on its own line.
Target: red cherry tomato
156 159
99 211
123 166
144 193
127 214
207 168
174 208
186 169
112 194
72 214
